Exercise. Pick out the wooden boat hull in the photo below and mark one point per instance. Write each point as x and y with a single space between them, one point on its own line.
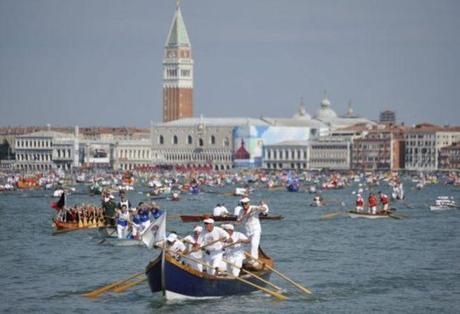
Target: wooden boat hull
354 214
59 225
198 218
183 282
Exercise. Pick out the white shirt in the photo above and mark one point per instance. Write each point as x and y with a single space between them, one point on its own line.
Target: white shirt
237 210
236 249
208 237
251 218
177 246
220 211
189 241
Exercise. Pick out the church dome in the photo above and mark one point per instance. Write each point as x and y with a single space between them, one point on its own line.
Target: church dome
302 113
325 112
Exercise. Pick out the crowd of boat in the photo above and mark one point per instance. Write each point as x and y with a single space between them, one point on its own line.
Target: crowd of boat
214 259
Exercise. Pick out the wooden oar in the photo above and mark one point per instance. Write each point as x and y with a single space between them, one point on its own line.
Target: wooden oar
123 288
332 215
253 275
298 286
274 294
96 293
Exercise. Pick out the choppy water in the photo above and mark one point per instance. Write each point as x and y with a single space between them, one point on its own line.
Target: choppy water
352 265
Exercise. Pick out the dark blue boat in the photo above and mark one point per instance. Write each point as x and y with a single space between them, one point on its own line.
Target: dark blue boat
183 282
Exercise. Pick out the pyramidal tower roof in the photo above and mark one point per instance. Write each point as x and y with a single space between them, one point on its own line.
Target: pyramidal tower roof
178 36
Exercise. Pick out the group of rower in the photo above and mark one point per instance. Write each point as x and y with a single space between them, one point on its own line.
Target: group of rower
84 215
372 203
221 248
129 221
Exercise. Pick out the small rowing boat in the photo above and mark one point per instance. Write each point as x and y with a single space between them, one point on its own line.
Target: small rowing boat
355 214
198 218
183 282
443 203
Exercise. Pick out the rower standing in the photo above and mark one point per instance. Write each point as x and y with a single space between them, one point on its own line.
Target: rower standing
250 217
122 222
384 201
317 200
211 238
359 203
109 207
372 202
234 252
124 201
196 254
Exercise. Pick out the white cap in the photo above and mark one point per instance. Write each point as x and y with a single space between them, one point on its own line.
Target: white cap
111 196
208 221
359 195
171 237
198 229
228 227
245 200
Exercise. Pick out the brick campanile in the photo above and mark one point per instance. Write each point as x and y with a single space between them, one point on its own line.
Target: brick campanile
177 72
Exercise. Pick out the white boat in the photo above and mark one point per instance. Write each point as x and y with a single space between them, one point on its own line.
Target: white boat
355 214
443 203
240 192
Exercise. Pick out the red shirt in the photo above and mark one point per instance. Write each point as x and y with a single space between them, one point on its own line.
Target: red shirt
372 201
384 199
360 202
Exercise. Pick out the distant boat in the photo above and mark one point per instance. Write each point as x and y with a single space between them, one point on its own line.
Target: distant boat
197 218
443 203
355 214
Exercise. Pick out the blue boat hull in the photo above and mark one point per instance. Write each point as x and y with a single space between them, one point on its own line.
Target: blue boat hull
184 281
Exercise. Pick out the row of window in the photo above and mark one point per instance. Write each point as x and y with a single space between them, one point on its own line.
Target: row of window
33 157
33 143
199 156
175 140
277 154
134 153
173 73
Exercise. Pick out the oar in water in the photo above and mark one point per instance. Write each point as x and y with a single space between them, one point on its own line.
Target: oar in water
253 275
97 292
295 284
123 288
274 294
332 215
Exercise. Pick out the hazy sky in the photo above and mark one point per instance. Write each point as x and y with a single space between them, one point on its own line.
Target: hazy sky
99 62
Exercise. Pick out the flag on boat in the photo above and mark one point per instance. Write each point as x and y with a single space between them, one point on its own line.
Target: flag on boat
60 204
155 232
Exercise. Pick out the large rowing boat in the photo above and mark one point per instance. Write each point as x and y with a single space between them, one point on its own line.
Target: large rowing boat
198 218
183 282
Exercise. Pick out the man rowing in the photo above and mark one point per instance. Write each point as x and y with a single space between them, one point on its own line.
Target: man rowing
174 245
212 239
234 251
123 222
220 210
195 254
249 216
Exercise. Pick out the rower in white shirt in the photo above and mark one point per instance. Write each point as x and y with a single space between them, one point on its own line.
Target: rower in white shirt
190 241
249 216
220 210
174 245
234 250
211 240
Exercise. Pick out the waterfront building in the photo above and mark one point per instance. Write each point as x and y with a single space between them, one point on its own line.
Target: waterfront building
286 155
449 157
380 148
133 155
45 150
423 145
195 142
177 72
330 152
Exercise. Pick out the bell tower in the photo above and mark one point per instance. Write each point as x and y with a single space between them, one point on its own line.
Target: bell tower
177 71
